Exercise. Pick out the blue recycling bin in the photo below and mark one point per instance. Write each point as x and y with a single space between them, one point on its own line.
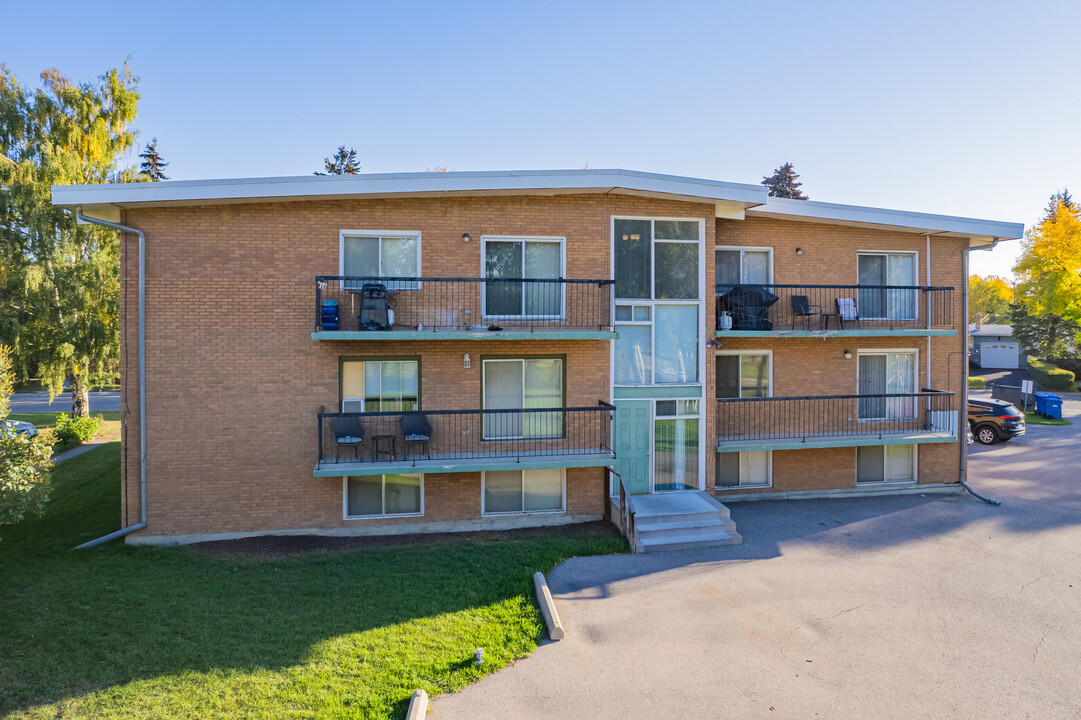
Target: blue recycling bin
1049 405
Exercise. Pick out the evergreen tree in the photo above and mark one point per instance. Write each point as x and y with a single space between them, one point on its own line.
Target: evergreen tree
784 182
344 162
1062 196
153 166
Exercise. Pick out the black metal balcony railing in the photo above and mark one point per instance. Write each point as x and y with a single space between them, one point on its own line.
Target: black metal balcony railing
471 303
837 307
826 416
458 435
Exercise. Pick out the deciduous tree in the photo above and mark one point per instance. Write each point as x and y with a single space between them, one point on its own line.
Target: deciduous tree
60 280
989 298
1049 278
25 462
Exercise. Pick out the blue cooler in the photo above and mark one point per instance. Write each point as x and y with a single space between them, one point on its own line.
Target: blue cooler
328 315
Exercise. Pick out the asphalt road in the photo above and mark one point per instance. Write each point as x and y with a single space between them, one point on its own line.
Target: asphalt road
39 402
892 607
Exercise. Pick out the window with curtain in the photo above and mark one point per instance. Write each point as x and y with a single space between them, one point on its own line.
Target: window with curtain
381 256
887 269
383 495
737 266
523 491
886 463
380 385
522 385
743 469
887 374
743 375
532 259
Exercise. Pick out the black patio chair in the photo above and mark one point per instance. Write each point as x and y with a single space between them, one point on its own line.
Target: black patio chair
416 430
803 309
348 432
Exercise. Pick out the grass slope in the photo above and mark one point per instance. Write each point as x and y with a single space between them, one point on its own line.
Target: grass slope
118 631
1031 418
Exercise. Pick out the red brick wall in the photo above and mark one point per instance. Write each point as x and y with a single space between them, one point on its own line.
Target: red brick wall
234 379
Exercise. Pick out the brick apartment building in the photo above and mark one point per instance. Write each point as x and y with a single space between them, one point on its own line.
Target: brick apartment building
538 331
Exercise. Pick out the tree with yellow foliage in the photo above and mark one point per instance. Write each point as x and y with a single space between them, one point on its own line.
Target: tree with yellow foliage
989 297
1049 276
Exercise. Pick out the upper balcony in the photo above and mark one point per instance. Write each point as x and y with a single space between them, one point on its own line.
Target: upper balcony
791 423
440 441
397 308
833 310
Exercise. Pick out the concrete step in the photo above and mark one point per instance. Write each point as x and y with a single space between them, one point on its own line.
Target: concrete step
684 527
688 542
647 519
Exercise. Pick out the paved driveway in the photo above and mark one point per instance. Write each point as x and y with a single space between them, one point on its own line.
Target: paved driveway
902 607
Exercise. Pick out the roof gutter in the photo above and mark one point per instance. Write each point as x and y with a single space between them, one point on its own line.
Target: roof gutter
964 355
142 376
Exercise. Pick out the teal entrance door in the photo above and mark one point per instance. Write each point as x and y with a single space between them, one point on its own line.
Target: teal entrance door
632 444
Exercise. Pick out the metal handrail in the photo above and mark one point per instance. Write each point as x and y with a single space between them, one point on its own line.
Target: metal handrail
626 509
390 278
835 287
925 393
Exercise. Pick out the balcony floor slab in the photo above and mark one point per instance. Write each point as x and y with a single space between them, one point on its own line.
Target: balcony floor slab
730 444
868 332
450 463
553 334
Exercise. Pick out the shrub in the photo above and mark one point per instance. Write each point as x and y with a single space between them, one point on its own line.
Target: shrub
25 462
1071 364
976 383
1050 376
74 431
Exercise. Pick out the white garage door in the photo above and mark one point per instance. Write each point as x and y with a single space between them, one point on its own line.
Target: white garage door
998 355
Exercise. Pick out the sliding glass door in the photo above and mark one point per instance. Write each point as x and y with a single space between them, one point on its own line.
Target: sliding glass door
887 374
535 259
896 270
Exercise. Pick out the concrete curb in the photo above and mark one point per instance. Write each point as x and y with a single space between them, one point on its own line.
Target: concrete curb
548 607
418 706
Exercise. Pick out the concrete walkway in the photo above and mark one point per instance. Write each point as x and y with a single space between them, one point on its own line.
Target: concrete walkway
85 448
889 607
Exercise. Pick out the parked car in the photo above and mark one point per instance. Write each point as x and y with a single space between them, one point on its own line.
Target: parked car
19 427
995 420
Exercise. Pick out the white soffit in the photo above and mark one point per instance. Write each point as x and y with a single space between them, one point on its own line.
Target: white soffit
980 231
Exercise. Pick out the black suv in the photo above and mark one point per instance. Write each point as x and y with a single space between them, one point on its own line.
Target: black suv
993 420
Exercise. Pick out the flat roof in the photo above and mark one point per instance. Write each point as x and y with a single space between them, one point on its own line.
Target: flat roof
731 200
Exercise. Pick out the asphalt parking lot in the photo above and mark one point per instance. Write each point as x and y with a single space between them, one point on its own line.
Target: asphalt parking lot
890 607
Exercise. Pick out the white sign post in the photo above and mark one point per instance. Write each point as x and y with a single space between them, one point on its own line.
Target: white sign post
1026 390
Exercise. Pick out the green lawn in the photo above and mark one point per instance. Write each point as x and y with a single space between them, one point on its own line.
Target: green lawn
1031 418
118 631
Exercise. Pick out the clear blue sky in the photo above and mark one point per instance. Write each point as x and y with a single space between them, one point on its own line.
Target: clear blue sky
962 108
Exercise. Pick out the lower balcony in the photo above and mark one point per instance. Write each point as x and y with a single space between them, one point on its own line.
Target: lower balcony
792 423
377 443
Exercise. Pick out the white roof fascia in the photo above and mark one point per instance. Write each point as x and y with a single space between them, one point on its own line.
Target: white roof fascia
306 187
882 219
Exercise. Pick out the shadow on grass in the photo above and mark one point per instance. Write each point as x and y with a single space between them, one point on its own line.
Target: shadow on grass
335 633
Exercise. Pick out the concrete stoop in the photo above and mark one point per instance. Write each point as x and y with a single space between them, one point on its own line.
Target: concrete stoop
682 521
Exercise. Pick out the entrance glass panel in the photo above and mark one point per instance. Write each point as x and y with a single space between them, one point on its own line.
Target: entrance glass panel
675 451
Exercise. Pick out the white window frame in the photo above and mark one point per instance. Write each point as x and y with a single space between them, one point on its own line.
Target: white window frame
741 486
523 239
522 360
769 362
383 486
364 401
878 483
915 376
381 234
915 281
561 511
653 301
742 249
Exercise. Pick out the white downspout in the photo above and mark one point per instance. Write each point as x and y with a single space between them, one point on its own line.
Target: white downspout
142 377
